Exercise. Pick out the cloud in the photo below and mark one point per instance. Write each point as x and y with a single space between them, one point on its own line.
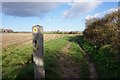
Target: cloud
112 10
57 0
32 9
79 8
94 16
0 6
100 15
28 9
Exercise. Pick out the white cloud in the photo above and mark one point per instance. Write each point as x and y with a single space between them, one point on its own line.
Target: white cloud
89 17
94 16
31 9
28 9
57 0
79 8
99 15
112 10
0 6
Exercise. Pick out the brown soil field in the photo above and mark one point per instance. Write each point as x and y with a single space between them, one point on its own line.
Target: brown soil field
20 38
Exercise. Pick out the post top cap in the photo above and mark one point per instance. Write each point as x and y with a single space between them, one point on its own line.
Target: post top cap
37 29
37 26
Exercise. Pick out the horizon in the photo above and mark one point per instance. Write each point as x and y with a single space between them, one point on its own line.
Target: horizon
31 31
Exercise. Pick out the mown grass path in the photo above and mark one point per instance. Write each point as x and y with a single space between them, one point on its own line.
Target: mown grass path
64 59
91 65
68 67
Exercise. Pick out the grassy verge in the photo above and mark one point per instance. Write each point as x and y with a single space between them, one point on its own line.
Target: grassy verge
16 62
81 61
79 57
52 49
106 65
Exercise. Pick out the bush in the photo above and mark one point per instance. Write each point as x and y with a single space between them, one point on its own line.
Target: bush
103 31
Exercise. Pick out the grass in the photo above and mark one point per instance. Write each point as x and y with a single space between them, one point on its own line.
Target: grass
78 55
17 61
52 53
106 65
52 49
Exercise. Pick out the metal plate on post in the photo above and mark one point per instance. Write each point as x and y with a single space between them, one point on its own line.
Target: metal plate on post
38 50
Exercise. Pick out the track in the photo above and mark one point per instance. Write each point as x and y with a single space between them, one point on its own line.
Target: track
68 67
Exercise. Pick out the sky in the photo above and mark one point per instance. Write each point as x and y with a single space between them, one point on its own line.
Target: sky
53 16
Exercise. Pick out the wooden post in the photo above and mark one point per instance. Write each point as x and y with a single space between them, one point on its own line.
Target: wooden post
38 50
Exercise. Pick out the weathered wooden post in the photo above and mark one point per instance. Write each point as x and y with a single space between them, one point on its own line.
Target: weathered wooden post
38 50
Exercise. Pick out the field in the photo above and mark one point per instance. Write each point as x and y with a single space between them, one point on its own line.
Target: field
66 56
17 51
20 38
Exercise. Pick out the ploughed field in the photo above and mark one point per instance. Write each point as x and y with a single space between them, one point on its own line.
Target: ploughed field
9 39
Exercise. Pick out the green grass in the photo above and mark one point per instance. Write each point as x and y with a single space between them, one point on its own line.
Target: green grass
79 56
80 59
17 61
106 65
52 49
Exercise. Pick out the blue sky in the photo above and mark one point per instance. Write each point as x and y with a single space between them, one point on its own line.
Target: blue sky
52 16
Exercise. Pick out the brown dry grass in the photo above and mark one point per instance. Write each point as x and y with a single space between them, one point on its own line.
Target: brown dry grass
20 38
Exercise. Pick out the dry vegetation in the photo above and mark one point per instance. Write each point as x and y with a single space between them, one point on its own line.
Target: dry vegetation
20 38
15 38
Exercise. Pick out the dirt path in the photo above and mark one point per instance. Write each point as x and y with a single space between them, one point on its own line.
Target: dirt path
91 65
70 69
67 65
